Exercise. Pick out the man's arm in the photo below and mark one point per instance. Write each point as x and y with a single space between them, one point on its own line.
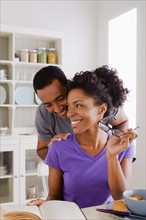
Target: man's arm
43 146
121 121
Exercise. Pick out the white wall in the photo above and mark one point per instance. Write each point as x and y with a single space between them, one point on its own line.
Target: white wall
77 19
85 24
107 10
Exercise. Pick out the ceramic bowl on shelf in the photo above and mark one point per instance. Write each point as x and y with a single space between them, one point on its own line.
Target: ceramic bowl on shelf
24 95
135 200
3 130
2 95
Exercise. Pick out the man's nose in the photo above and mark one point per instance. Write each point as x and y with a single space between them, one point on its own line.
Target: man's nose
56 108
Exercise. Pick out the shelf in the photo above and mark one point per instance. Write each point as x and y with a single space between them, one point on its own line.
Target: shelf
20 142
23 82
12 40
6 106
6 176
6 62
31 173
6 81
40 65
26 106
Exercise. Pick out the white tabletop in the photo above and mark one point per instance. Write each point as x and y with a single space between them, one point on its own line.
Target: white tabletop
91 213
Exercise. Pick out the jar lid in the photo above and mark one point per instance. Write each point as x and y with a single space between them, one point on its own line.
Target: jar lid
24 50
51 49
41 48
32 51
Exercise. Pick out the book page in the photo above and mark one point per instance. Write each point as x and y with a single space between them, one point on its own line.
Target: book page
56 209
8 208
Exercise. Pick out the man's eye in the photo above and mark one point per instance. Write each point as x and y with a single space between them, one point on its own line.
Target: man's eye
61 98
48 106
79 106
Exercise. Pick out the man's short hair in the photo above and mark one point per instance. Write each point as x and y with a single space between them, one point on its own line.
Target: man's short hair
46 75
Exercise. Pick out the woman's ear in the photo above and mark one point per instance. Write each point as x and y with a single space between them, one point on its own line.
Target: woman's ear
101 110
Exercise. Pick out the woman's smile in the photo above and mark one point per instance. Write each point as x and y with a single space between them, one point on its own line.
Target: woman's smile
82 112
75 123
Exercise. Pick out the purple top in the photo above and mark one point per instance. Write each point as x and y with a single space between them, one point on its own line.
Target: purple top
85 178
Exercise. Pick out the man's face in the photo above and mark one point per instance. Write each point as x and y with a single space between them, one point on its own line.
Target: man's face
53 97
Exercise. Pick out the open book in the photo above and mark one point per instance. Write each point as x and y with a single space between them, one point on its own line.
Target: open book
50 210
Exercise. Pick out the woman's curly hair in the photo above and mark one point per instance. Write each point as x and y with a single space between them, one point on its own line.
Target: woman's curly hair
103 85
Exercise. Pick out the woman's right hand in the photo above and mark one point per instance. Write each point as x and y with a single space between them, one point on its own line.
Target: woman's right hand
36 202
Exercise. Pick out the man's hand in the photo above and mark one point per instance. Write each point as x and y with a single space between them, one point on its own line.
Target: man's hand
42 147
59 137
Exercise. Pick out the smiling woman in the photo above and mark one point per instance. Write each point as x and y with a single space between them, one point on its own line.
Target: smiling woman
84 167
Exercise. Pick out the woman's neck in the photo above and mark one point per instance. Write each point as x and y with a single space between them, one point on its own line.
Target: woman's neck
92 142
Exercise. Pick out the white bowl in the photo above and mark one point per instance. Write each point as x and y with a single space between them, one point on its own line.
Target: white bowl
136 206
3 130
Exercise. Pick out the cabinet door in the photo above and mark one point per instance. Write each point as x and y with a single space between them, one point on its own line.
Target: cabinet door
30 183
9 173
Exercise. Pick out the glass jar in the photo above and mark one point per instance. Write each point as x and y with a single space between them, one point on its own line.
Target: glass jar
41 55
33 56
52 58
24 55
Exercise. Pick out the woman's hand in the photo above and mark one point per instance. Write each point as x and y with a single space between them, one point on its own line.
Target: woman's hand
116 145
131 133
37 202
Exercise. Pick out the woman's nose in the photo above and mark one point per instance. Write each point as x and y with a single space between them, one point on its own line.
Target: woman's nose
70 112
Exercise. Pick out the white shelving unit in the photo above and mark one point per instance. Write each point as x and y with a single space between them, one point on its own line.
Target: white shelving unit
17 117
18 146
19 157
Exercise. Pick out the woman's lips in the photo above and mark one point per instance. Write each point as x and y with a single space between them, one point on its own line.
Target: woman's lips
75 123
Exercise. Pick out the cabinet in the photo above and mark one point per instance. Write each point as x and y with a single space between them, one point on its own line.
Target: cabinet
19 173
17 111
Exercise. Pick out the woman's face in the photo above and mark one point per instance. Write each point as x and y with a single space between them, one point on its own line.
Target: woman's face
82 112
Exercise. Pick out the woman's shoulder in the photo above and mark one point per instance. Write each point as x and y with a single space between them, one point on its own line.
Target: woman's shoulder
63 143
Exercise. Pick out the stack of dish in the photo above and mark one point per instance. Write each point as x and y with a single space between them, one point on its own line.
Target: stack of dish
3 170
2 95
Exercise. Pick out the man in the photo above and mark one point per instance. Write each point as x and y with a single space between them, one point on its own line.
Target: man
50 84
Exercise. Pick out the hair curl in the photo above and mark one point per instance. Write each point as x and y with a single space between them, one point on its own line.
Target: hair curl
103 85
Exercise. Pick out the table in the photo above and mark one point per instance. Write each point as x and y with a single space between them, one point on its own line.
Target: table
91 213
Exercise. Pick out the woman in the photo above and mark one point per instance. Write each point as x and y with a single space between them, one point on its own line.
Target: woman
84 168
